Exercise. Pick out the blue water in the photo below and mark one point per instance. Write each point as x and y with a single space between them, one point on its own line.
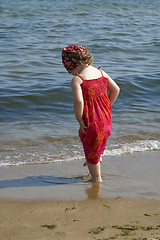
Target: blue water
37 122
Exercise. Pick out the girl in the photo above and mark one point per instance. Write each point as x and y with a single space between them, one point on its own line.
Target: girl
92 105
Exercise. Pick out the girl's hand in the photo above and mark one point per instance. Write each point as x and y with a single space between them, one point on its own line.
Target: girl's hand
82 126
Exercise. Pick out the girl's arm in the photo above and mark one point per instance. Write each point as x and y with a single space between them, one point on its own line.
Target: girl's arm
113 88
78 102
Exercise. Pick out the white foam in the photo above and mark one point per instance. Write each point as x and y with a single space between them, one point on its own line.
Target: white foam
138 146
38 158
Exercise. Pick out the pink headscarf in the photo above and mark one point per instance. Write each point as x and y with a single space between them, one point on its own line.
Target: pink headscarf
68 63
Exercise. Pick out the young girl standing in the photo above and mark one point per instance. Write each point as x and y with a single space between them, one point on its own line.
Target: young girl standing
92 105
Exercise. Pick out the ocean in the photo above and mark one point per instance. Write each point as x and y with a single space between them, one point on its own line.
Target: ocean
37 122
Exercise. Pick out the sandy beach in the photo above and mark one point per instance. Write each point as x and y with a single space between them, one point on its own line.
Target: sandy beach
51 201
88 219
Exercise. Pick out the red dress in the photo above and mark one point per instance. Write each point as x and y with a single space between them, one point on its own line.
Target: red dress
97 115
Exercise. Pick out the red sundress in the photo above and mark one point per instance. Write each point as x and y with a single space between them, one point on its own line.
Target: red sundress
97 115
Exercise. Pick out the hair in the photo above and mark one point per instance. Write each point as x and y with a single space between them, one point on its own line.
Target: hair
81 58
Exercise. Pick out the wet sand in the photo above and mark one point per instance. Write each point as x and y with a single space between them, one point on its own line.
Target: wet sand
130 175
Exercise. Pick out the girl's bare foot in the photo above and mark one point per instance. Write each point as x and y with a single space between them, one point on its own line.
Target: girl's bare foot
96 180
87 178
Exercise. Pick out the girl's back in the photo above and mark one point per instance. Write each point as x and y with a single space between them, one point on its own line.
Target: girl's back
93 84
91 73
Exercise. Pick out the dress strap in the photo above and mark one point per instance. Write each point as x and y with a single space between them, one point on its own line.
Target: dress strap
79 76
100 71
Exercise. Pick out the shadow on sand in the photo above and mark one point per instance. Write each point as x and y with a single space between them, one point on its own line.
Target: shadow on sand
33 181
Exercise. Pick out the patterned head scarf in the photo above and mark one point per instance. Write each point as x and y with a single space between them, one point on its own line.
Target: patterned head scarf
68 63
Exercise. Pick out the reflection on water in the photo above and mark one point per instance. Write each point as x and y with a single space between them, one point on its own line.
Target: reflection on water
93 190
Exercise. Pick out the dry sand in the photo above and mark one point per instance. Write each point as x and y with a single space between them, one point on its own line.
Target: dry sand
100 219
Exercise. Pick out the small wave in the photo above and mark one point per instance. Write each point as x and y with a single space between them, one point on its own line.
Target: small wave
138 146
30 158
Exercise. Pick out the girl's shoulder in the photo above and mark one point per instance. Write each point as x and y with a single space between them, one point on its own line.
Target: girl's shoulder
107 76
76 80
104 74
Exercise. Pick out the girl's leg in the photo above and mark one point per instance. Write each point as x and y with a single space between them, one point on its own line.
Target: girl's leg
86 163
95 170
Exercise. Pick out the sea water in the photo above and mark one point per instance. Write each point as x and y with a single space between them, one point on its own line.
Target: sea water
37 122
